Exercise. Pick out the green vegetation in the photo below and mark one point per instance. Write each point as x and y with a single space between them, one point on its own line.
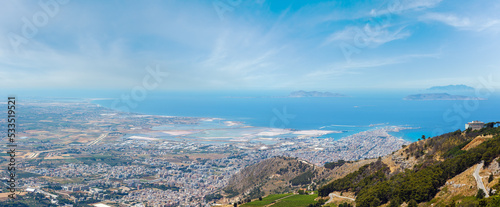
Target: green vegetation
456 150
412 203
480 194
28 200
296 201
266 200
231 192
395 202
331 165
108 159
303 179
23 174
366 176
213 196
287 200
161 187
373 184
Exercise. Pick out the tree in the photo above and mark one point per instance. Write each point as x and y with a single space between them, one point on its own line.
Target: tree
482 203
413 203
395 202
345 205
260 198
423 137
375 202
490 125
490 178
235 204
480 194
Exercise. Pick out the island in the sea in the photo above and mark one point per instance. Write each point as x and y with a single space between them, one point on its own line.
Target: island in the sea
439 96
460 87
300 94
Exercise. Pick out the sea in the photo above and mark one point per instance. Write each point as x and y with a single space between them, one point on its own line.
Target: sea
354 113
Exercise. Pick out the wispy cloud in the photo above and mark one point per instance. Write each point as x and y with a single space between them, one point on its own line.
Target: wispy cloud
357 67
265 45
368 36
404 5
462 23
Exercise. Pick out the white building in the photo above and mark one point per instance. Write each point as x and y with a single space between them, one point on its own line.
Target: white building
474 125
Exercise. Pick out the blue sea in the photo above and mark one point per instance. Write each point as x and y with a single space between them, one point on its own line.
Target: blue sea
352 114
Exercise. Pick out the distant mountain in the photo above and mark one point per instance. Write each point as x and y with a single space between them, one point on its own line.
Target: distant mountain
299 94
451 88
438 96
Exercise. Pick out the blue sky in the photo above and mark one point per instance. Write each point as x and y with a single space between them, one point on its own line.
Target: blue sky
249 45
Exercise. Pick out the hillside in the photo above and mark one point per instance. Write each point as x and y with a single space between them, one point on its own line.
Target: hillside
274 175
460 87
439 171
425 170
282 175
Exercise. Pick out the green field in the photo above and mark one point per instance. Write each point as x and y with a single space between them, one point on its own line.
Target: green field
292 201
296 201
267 200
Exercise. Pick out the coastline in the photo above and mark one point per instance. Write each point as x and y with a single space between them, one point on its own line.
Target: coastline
337 131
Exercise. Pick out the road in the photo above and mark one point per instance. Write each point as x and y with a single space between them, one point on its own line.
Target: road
335 195
479 181
98 139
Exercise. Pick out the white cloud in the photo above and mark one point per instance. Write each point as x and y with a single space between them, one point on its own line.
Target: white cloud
415 5
399 6
356 67
368 36
462 23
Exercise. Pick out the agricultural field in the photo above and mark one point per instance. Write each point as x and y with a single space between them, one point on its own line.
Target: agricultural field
284 200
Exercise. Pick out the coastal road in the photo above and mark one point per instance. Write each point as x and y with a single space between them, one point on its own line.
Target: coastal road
335 195
479 181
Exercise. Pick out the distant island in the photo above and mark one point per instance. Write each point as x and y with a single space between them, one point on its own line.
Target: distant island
451 88
439 96
300 94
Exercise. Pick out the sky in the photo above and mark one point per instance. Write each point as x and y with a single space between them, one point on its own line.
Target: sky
247 45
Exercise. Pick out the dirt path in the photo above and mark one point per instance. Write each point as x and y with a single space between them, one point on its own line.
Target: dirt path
479 181
335 195
277 200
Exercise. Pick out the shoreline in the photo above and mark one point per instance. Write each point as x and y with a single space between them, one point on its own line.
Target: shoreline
319 132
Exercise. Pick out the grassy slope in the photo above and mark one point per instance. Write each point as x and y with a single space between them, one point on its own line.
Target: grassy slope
294 200
266 200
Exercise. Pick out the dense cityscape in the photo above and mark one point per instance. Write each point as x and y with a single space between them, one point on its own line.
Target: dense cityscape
99 160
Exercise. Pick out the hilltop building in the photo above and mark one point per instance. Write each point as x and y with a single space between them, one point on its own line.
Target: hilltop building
474 125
